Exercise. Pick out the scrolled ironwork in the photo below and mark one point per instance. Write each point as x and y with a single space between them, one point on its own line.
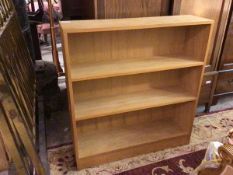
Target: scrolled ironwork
6 8
17 72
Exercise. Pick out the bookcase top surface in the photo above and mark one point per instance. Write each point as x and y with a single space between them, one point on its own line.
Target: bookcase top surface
82 26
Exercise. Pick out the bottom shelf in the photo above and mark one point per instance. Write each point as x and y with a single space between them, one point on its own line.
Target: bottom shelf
96 142
111 138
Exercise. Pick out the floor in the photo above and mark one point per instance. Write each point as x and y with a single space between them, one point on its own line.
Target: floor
59 121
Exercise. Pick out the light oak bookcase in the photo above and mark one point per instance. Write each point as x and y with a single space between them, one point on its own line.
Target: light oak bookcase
133 84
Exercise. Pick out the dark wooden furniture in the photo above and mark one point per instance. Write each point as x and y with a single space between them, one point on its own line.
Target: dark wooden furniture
217 10
78 9
106 9
101 9
225 79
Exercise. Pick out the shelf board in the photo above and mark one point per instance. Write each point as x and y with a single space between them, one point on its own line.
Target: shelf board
114 68
84 26
99 107
95 142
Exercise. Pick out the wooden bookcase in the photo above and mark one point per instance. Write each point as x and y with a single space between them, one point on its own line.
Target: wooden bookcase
224 85
133 83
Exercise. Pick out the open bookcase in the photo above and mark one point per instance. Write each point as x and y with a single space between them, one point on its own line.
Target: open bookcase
133 84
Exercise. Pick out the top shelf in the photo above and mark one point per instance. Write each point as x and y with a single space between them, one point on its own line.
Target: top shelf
84 26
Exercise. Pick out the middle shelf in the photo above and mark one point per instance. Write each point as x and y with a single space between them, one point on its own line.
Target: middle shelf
111 68
105 106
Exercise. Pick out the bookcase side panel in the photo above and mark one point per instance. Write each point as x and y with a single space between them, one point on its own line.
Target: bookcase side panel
70 91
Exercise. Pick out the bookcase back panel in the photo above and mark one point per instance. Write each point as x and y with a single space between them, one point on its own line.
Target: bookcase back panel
171 112
125 119
135 83
196 42
148 43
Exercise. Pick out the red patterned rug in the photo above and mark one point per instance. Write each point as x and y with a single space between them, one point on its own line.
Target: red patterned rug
175 161
181 165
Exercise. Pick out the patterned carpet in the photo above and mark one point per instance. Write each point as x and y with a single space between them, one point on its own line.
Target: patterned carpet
176 161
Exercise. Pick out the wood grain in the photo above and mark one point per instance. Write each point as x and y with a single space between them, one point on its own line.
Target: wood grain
150 118
133 151
19 131
109 9
126 137
208 88
94 108
129 78
113 68
17 95
3 157
226 61
173 81
127 46
219 11
225 82
83 26
209 9
12 148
